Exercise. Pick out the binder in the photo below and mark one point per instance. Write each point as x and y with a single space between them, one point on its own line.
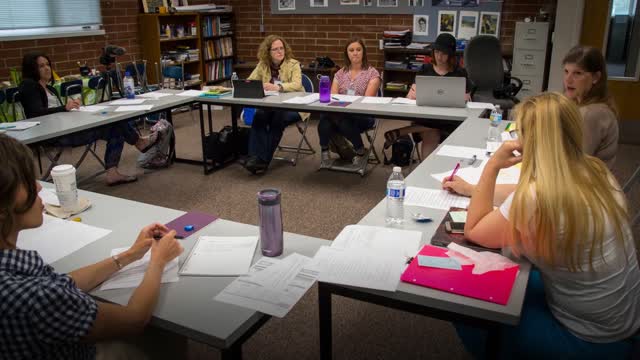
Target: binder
493 286
195 219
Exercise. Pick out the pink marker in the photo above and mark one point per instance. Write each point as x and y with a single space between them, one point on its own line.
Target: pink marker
455 170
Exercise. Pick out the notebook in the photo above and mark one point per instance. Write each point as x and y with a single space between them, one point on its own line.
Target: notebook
493 286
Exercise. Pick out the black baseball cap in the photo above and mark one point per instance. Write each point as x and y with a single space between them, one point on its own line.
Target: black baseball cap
445 43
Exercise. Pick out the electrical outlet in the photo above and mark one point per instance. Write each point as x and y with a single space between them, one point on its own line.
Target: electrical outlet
261 28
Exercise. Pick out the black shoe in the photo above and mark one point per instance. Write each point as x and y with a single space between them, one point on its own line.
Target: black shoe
256 166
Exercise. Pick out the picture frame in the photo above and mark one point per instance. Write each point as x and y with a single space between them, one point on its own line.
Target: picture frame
447 22
416 3
387 3
489 23
421 25
467 25
318 3
349 2
286 5
150 6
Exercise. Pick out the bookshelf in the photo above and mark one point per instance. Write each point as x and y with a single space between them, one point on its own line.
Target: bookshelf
171 36
218 46
401 73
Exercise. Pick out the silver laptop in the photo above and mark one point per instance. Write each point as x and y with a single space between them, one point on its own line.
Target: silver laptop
440 91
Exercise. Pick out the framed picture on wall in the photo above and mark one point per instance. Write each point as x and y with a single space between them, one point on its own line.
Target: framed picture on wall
349 2
421 25
284 5
319 3
387 3
150 6
416 3
447 22
490 23
367 2
468 25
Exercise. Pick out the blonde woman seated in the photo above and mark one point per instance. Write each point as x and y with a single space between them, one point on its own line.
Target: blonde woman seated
568 217
278 71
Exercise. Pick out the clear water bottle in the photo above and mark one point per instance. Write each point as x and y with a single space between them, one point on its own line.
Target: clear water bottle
395 197
494 129
234 77
129 86
325 89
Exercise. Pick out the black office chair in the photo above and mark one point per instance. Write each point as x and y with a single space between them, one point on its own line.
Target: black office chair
13 100
97 84
484 64
71 89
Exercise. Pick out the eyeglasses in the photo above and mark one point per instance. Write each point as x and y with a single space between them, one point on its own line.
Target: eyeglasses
277 49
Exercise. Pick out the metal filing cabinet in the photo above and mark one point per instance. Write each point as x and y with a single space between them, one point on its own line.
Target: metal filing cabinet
530 56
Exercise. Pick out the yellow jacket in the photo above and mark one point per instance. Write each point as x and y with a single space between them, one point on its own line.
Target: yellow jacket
290 75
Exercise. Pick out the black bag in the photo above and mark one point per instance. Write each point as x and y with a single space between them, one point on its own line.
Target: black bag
161 154
222 146
401 151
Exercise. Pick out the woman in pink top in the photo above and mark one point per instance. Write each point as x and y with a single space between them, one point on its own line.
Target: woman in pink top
358 78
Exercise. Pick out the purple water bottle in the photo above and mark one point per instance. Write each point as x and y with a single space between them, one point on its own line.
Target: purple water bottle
270 222
325 89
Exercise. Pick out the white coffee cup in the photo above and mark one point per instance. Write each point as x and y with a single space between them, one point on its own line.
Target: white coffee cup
64 178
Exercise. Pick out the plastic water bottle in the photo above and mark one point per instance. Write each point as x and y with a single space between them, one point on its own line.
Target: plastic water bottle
325 89
129 86
494 129
395 197
234 77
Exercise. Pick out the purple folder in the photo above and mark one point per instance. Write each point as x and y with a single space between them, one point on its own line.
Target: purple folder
195 219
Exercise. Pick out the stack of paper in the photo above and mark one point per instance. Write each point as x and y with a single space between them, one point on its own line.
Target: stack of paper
131 275
57 238
127 102
220 256
436 199
309 99
376 100
273 286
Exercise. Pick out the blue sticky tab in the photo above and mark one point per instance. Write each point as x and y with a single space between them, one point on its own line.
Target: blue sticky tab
439 262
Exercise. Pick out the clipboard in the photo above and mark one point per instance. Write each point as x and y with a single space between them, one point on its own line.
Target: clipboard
493 286
196 219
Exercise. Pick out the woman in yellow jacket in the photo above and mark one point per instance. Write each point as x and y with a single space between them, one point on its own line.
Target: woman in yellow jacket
278 71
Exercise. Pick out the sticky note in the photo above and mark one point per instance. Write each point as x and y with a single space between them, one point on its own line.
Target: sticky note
439 262
458 216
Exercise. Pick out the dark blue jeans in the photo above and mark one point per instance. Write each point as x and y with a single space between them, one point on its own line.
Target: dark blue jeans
266 131
539 335
349 126
115 135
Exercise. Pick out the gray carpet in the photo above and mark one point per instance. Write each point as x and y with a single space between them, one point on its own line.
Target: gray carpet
315 203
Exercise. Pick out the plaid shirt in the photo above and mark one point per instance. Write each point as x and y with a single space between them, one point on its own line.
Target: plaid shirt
43 315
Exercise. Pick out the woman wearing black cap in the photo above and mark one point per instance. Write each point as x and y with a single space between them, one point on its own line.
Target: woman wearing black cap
443 63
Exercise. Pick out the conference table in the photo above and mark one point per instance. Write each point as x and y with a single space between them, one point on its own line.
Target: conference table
186 307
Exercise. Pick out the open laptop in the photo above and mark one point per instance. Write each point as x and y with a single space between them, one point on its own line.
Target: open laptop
440 91
248 89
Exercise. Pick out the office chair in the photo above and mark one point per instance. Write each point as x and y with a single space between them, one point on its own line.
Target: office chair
483 61
302 129
13 100
98 85
71 89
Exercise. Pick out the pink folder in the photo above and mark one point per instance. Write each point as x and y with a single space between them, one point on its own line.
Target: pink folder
493 286
195 219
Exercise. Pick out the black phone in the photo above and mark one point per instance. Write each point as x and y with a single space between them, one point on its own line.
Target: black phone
454 227
325 62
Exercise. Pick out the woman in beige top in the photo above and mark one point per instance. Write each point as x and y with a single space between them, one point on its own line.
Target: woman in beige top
585 82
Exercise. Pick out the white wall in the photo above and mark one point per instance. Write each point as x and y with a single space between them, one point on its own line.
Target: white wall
568 28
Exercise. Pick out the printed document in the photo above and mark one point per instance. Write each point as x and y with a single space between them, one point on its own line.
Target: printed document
127 102
381 240
133 108
273 286
221 256
462 152
472 175
308 99
345 98
436 199
131 275
153 95
403 101
57 238
92 108
376 100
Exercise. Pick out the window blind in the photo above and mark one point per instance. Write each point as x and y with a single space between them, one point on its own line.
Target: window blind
48 18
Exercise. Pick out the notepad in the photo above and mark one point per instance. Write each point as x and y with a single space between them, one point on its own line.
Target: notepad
220 256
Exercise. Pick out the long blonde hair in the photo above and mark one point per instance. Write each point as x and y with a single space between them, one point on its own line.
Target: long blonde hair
264 51
571 188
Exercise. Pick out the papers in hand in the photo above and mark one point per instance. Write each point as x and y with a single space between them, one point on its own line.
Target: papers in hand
127 102
403 101
273 286
376 100
133 108
19 125
437 199
220 256
131 275
57 238
308 99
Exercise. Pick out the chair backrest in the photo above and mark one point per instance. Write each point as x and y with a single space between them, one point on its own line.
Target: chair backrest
13 98
483 61
3 97
70 88
96 83
307 84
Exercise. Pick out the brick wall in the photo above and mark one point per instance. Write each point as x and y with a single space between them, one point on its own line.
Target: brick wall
309 35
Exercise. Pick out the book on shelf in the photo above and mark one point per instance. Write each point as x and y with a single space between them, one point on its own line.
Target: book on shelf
394 85
216 25
219 69
218 48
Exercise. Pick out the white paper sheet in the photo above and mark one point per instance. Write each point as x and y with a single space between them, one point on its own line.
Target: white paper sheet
436 199
308 99
127 102
479 105
462 152
472 174
19 125
191 93
273 287
271 93
220 256
493 146
57 238
403 101
49 196
92 108
382 240
376 100
345 98
131 275
133 108
358 267
153 95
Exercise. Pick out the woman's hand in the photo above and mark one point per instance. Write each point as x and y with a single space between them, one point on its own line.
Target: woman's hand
72 104
505 157
145 238
165 249
271 87
457 186
412 92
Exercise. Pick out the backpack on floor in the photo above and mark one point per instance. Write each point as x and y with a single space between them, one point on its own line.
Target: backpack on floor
401 151
159 155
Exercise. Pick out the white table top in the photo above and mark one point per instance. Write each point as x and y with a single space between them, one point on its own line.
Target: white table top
185 307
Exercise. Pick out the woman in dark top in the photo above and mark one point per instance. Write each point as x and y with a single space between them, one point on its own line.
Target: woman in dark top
443 63
39 98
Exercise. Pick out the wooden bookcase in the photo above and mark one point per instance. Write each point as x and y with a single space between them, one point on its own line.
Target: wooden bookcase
405 75
218 46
